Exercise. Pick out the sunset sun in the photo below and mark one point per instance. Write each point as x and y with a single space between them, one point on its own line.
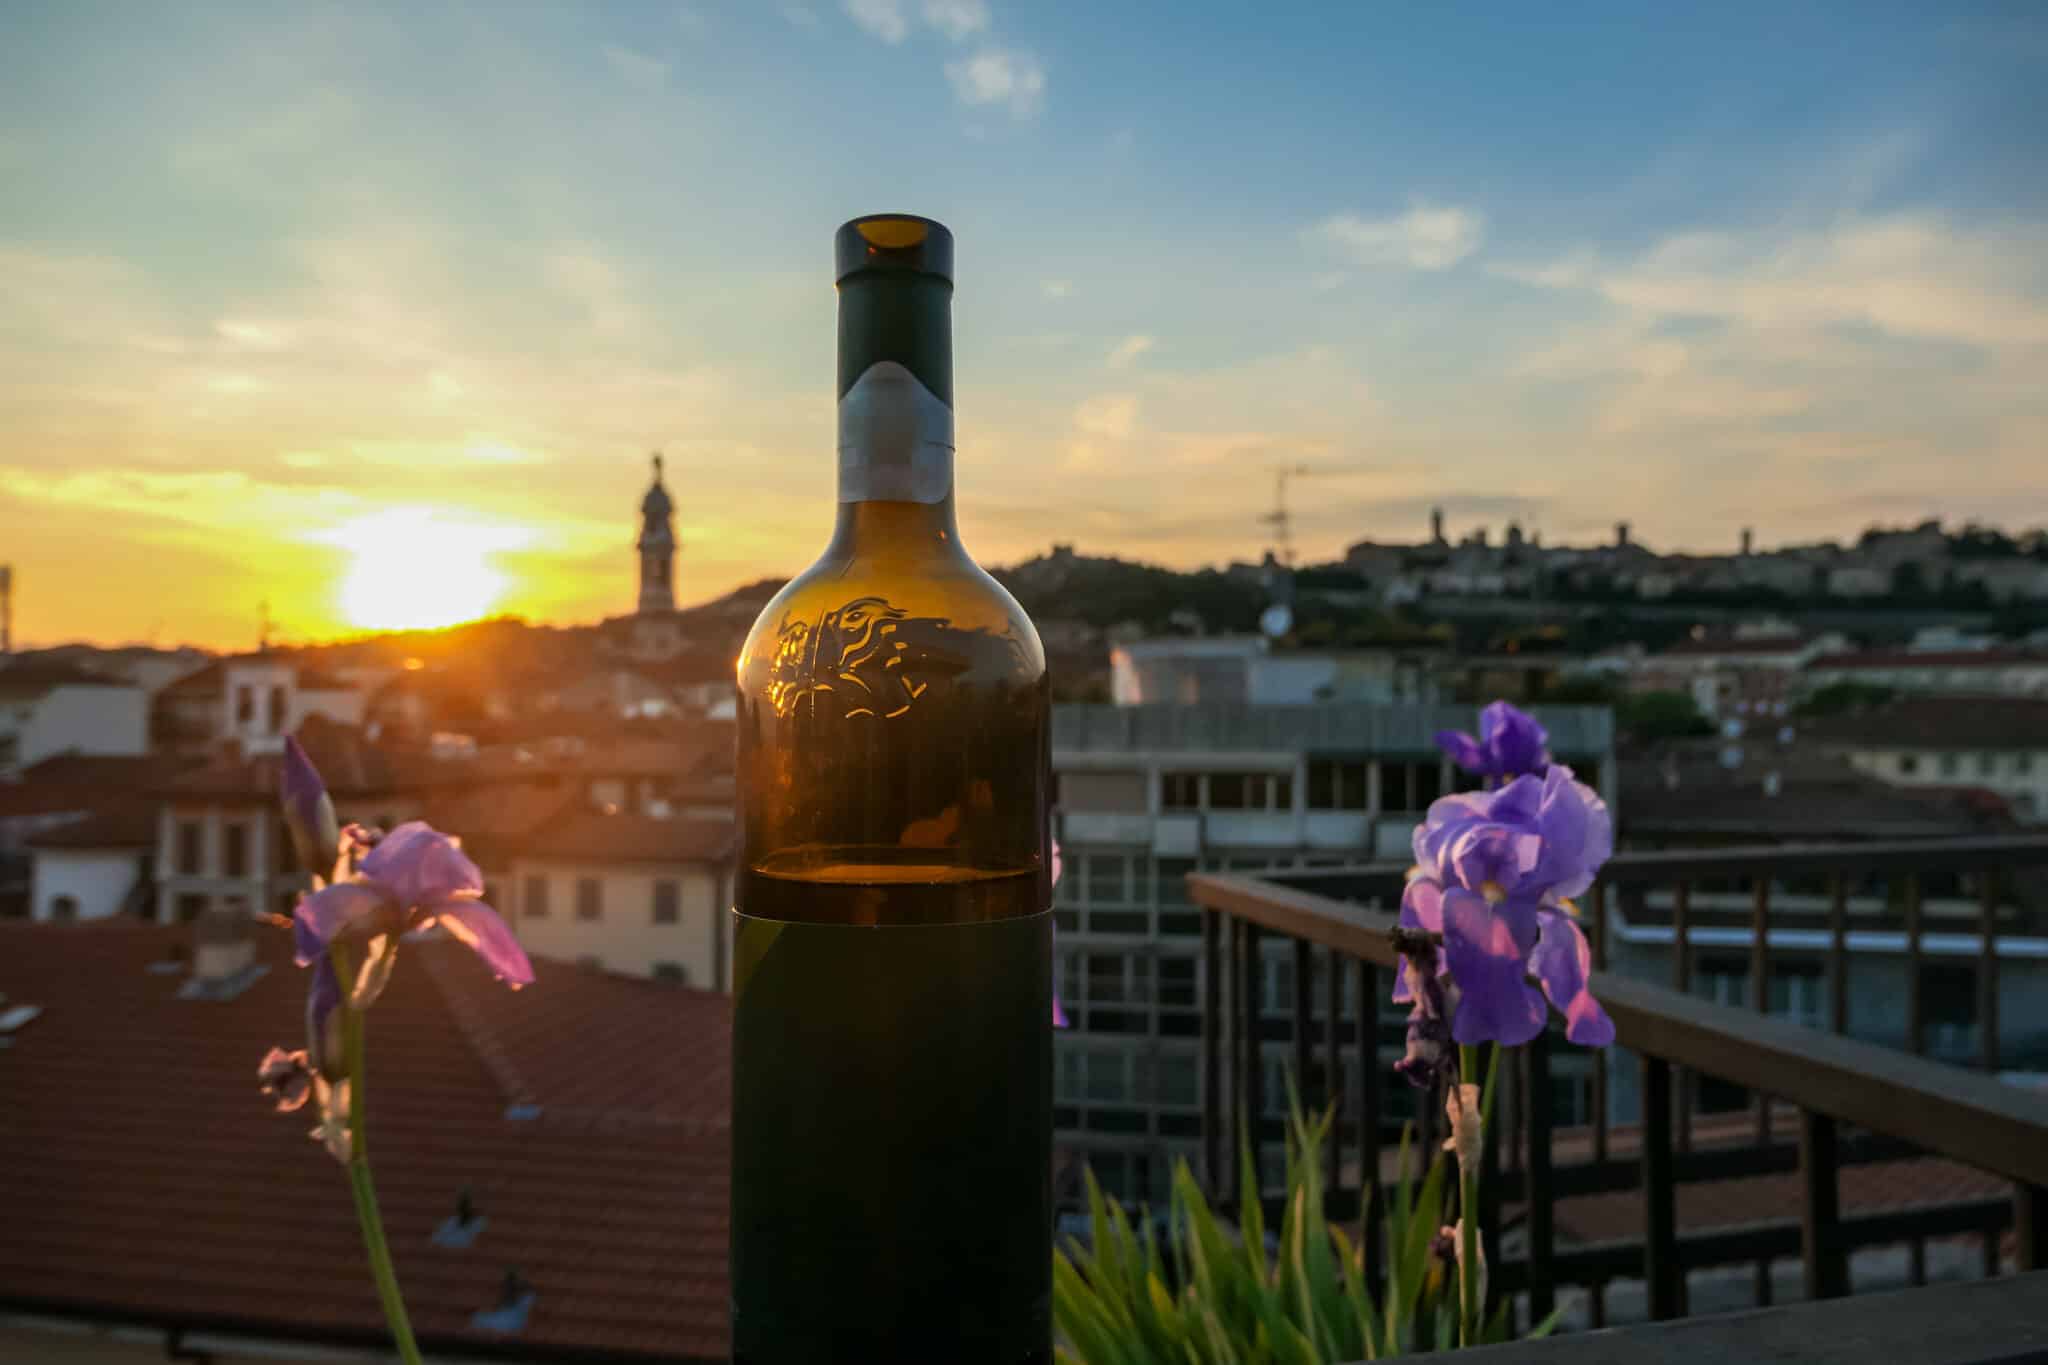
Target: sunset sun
414 568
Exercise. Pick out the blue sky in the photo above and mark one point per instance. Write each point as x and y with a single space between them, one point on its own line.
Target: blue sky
272 275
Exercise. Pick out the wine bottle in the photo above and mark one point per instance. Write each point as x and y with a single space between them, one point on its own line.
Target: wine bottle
892 941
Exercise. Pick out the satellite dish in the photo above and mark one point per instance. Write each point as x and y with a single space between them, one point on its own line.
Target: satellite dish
1276 620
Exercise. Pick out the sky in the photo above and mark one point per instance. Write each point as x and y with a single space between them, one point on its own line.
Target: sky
373 314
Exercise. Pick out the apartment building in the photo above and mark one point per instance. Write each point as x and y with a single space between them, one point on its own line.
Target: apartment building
1147 794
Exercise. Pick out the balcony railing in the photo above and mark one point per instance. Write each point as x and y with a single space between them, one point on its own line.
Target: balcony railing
1821 1101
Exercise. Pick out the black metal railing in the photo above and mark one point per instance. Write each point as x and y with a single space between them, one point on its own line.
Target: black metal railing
1821 1099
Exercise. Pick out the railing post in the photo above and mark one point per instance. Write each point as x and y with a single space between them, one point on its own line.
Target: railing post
1597 904
1299 1026
1987 973
1681 981
1251 975
1660 1225
2030 1227
1542 1222
1826 1267
1212 1049
1333 1068
1760 982
1838 953
1916 1033
1368 1026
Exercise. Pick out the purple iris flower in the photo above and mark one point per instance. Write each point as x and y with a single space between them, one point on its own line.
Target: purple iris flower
308 812
1543 838
1494 867
414 877
1510 743
1564 964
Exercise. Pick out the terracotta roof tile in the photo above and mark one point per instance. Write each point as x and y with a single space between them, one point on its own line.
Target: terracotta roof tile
122 825
142 1173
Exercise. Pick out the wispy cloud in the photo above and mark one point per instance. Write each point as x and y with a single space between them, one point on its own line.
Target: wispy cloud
1908 275
1426 237
957 19
1111 414
1128 350
1057 289
883 18
636 69
1000 76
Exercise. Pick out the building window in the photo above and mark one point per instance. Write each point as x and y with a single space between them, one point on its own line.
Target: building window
1228 791
2023 763
1798 992
234 854
190 837
1948 1006
1179 1081
535 901
1985 762
668 902
1909 764
1180 791
1108 1079
1105 977
188 907
277 710
1723 980
1410 786
245 704
1337 784
671 973
1951 764
287 860
64 907
1280 793
589 898
1106 879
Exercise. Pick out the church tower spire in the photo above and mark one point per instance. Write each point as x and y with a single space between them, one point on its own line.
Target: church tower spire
657 546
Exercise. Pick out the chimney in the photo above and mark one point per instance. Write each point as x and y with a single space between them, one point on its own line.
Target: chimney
1621 535
223 953
1748 540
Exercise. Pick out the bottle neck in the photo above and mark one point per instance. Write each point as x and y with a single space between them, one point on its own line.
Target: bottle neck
896 391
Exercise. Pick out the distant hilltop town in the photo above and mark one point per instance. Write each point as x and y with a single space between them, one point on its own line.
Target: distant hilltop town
1973 566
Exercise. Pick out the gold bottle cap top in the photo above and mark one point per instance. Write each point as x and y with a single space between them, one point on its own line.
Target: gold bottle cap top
894 241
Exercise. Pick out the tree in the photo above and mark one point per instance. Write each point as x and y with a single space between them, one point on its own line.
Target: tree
1839 697
1648 717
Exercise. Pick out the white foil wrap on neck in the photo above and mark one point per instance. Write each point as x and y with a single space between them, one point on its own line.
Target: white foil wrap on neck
895 439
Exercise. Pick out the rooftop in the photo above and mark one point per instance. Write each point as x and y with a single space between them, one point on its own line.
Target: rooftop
145 1178
126 824
1939 658
593 836
1995 723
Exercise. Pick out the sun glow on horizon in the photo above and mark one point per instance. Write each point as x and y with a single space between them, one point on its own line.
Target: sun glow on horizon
416 568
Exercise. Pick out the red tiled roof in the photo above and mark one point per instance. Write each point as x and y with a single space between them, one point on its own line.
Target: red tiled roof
82 782
1948 658
597 837
143 1176
34 679
1787 644
1996 724
122 825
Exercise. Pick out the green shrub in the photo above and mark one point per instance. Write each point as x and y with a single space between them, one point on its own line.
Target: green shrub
1215 1297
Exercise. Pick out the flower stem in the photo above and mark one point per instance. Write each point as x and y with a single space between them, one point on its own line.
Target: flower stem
1469 1307
359 1181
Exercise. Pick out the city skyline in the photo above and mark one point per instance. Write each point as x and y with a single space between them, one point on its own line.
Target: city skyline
344 301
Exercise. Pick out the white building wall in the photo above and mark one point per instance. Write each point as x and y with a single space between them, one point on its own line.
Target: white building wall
624 936
97 881
110 720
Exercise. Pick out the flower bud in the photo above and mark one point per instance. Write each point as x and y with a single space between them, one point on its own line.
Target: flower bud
308 812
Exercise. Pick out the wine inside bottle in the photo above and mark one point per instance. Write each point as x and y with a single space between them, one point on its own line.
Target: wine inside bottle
892 1069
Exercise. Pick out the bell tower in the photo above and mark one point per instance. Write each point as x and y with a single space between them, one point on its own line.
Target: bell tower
657 546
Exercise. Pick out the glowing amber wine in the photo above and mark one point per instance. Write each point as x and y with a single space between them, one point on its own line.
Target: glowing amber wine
892 1070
